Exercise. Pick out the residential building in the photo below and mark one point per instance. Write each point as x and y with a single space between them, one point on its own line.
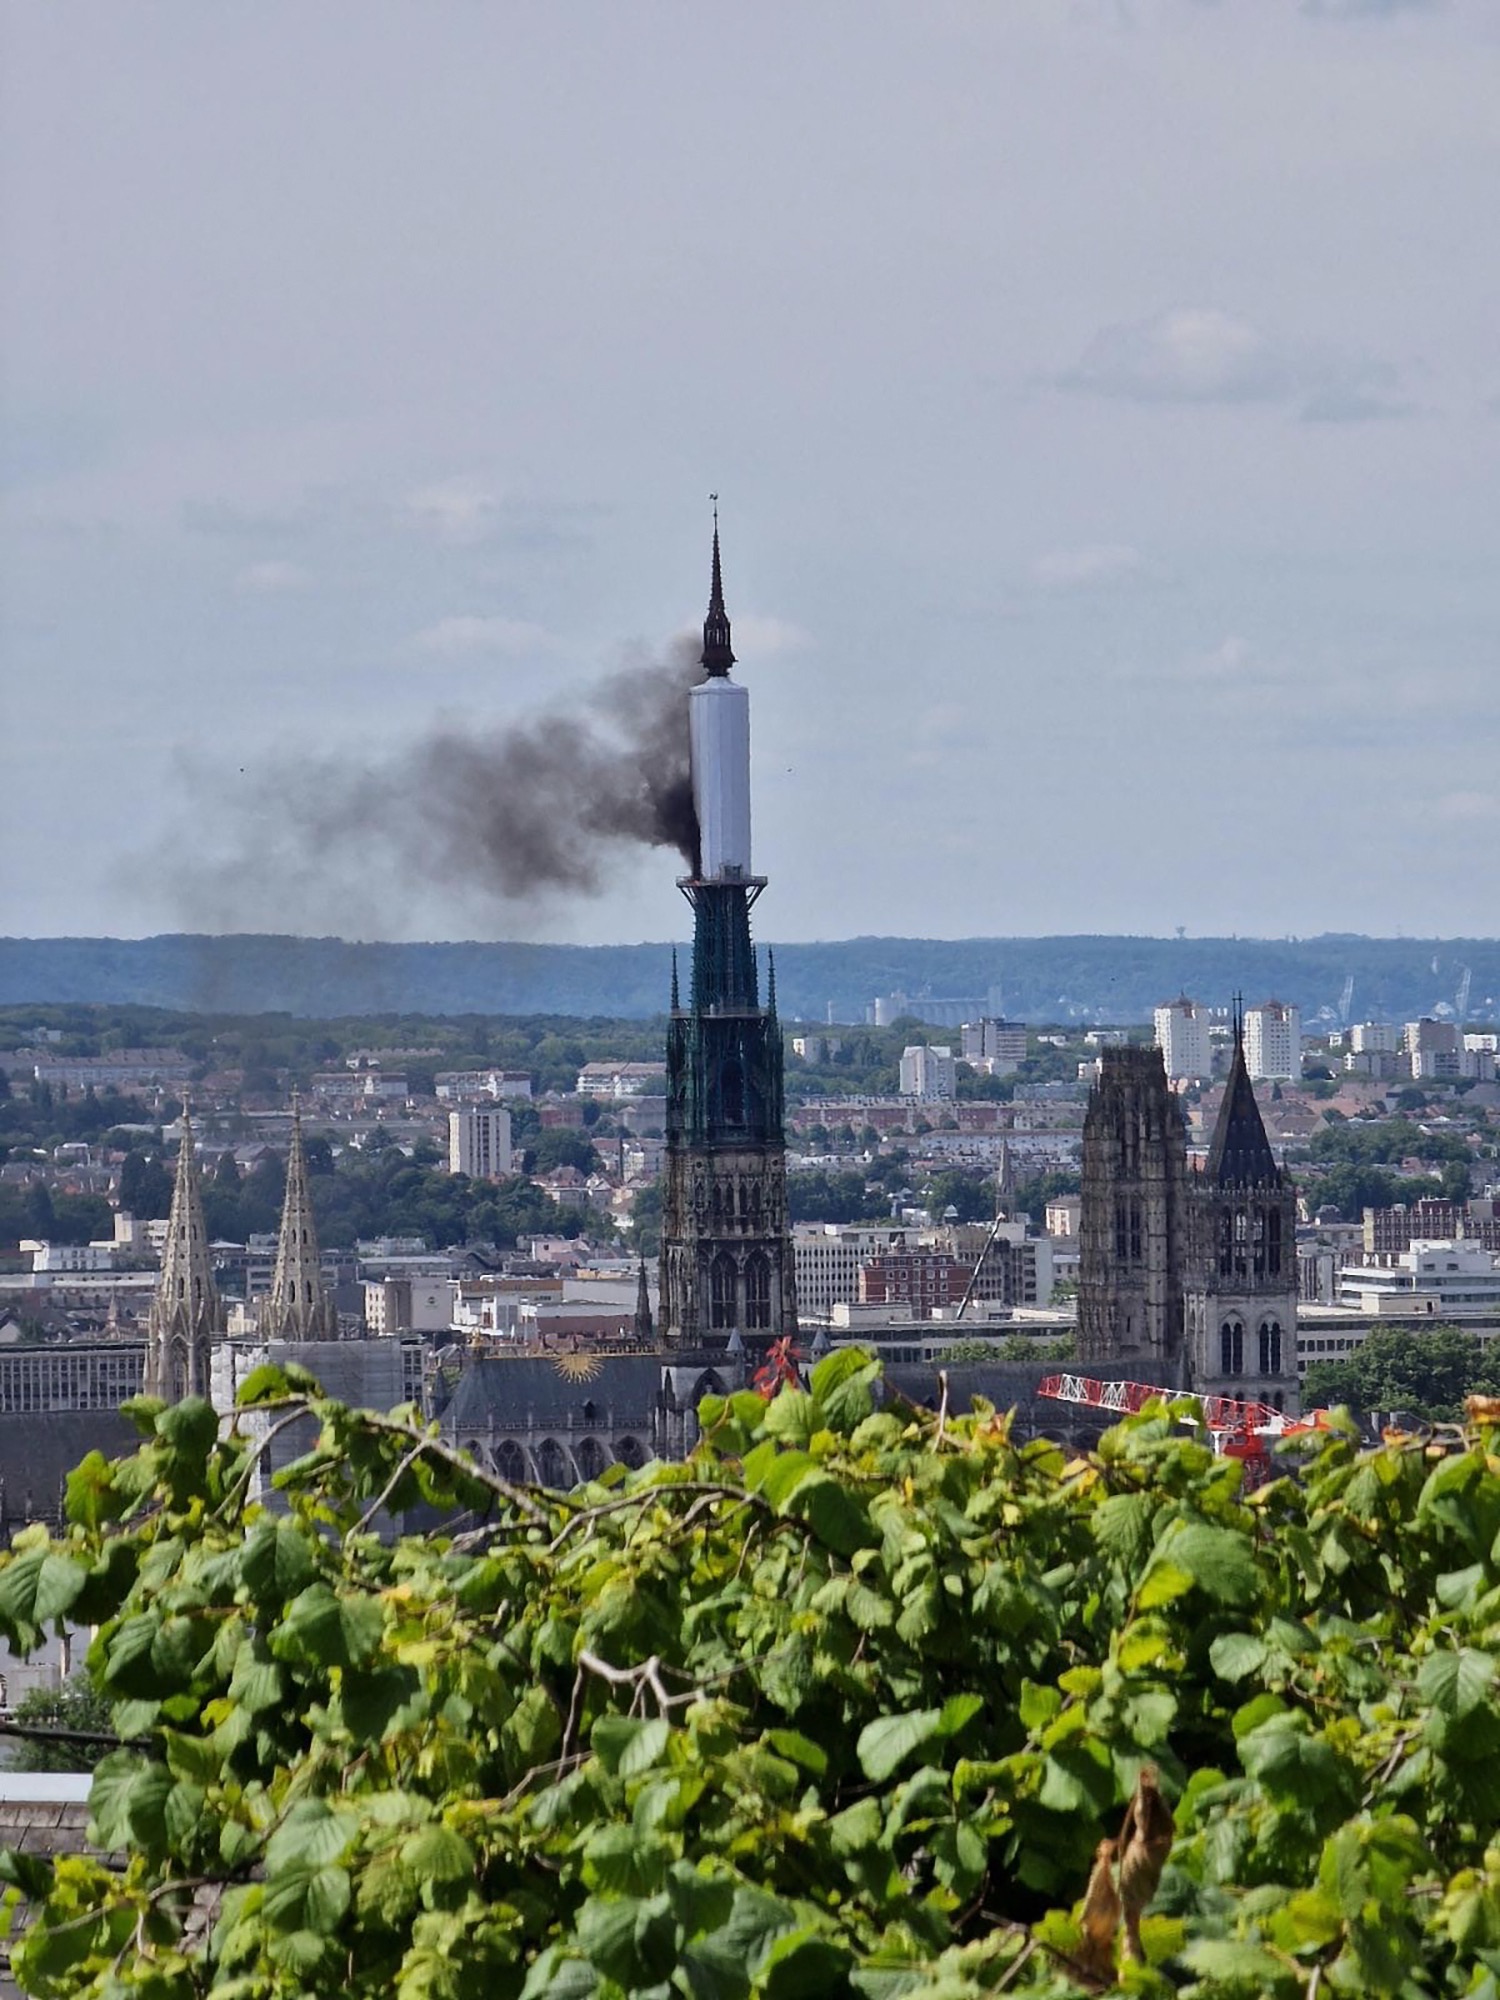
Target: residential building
928 1074
621 1079
1000 1045
1457 1280
479 1143
1273 1042
1374 1038
1182 1036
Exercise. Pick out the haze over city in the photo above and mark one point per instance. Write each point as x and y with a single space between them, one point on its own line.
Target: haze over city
1103 399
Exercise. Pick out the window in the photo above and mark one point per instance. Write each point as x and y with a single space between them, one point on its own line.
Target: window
758 1291
1231 1348
1270 1347
1273 1242
721 1291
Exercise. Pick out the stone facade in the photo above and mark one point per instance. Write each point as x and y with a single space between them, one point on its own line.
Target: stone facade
1133 1227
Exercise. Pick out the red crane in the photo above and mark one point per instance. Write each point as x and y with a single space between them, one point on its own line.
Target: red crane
1240 1427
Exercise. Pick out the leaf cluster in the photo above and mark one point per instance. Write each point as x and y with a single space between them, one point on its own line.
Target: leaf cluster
844 1705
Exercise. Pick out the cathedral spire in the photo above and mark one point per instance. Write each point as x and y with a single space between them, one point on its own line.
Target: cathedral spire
1240 1153
298 1308
644 1330
718 654
184 1314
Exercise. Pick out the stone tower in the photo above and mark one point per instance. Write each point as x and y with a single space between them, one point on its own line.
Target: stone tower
726 1254
299 1306
185 1313
1241 1265
1134 1222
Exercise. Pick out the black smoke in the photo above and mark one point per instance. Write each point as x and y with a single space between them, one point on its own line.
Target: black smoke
515 813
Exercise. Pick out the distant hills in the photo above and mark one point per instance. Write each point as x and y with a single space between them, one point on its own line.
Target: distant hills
1106 979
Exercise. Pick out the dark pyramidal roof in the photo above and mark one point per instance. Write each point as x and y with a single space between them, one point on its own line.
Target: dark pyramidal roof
1241 1155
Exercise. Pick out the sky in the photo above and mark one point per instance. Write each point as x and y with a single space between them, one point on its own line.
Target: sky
1104 397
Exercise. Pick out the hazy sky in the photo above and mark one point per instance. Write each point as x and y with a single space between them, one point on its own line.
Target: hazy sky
1104 396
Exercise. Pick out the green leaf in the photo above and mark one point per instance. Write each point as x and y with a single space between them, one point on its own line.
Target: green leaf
629 1744
886 1744
437 1854
1456 1683
1219 1561
1122 1527
1234 1656
276 1562
58 1583
127 1803
328 1629
800 1749
190 1427
842 1382
305 1898
833 1513
311 1835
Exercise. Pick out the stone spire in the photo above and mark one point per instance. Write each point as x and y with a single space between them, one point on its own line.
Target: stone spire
1240 1154
184 1314
644 1330
718 654
299 1307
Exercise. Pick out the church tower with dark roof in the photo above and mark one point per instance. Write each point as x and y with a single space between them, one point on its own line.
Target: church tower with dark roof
726 1253
1240 1281
185 1317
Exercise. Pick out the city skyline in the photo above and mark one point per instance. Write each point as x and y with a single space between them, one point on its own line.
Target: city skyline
1103 400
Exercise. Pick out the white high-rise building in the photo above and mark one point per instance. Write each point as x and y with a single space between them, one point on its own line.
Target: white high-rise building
1273 1042
1373 1038
1000 1045
928 1073
479 1142
1182 1037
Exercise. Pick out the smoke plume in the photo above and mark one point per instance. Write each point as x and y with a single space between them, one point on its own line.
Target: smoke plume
516 813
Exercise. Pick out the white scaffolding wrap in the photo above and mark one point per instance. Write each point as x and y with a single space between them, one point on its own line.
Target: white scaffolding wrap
719 725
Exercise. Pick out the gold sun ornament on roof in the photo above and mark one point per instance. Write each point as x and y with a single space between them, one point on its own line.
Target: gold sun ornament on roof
577 1367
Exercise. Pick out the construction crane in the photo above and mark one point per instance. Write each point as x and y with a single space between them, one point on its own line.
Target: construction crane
1240 1428
1461 1004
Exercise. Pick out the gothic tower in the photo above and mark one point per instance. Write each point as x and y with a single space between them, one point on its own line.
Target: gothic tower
184 1316
726 1254
1134 1222
299 1306
1241 1266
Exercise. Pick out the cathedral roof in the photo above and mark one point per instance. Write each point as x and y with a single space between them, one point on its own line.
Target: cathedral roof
1240 1155
545 1390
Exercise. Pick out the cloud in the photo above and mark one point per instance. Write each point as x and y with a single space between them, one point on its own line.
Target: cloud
1468 808
757 638
460 510
1366 10
1200 355
270 579
462 634
1091 568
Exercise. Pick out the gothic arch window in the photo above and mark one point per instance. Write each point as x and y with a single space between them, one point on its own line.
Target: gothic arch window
1122 1232
1241 1243
590 1413
1135 1232
1226 1243
552 1465
758 1290
510 1461
1273 1242
707 1384
629 1451
1270 1347
591 1458
1231 1348
732 1091
721 1291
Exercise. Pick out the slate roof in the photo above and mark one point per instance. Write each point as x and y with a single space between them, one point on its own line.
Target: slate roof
1240 1153
550 1390
38 1449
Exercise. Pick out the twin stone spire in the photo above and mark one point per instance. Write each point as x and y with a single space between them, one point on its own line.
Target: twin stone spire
187 1314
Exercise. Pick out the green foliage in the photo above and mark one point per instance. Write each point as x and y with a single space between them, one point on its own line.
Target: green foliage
1427 1372
841 1707
77 1706
819 1196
